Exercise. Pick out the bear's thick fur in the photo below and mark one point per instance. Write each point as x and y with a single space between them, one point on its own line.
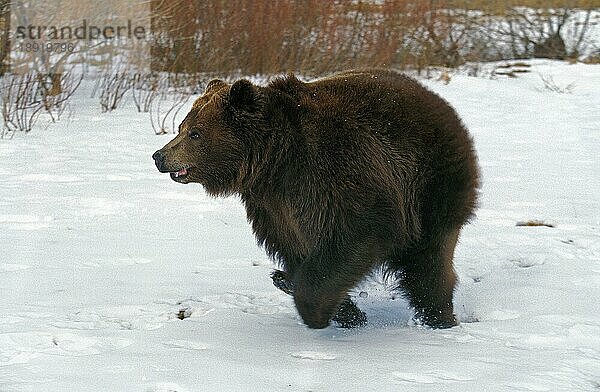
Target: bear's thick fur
358 172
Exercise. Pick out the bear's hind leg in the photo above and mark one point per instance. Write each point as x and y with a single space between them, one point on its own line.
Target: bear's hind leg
348 315
427 278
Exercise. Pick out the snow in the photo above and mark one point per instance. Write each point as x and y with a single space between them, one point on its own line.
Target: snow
101 255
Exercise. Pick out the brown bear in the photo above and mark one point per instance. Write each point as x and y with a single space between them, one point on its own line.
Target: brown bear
358 172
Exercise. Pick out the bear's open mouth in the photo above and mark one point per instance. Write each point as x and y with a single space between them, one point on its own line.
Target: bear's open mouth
180 174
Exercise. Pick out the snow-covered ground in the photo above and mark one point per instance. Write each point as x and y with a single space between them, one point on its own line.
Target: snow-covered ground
100 253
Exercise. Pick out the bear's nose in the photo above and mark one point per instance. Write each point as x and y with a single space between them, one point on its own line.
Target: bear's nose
159 159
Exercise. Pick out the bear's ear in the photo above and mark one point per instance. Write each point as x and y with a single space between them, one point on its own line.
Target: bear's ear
242 94
214 85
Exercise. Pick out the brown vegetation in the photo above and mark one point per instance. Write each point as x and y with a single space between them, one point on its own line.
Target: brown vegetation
4 29
195 40
316 37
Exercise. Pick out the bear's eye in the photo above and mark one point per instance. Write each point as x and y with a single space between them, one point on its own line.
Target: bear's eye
194 134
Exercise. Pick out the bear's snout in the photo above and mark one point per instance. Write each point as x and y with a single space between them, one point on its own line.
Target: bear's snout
159 160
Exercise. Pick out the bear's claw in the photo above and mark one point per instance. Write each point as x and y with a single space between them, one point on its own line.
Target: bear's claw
349 315
280 281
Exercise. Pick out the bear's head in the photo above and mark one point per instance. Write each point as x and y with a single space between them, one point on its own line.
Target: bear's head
213 144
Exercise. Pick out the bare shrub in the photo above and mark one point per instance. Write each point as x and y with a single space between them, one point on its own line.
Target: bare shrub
540 32
113 86
56 90
164 110
144 90
20 104
551 85
172 93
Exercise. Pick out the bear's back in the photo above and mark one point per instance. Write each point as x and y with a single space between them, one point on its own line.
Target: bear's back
381 102
381 130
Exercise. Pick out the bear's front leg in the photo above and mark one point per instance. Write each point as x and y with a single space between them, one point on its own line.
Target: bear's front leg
315 306
281 281
324 278
348 315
